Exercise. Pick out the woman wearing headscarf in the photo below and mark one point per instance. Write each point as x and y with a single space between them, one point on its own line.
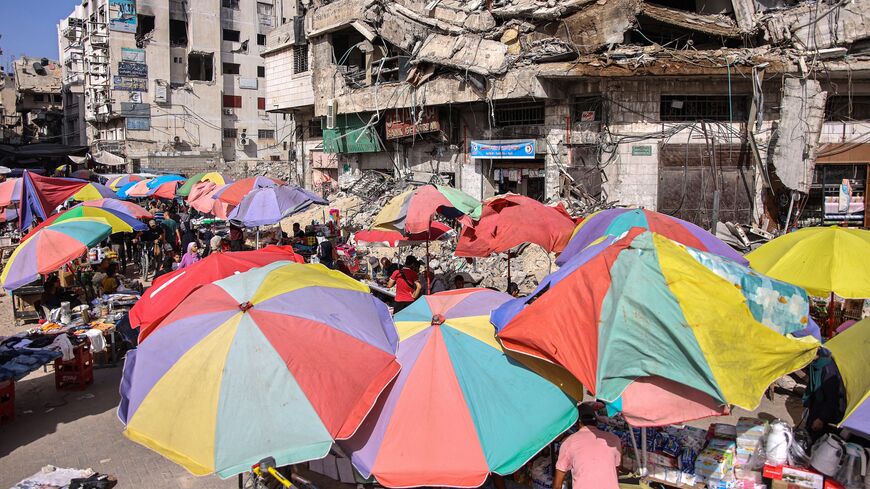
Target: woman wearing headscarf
191 257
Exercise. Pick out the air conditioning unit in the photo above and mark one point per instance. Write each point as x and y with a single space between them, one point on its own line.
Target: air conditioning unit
228 111
331 108
243 139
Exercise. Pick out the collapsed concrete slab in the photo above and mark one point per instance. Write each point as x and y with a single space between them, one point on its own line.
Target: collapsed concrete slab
339 14
717 25
594 27
465 52
815 26
801 117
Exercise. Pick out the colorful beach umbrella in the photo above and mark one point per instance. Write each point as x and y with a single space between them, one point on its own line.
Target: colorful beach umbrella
380 237
138 189
10 192
460 408
615 222
120 222
118 182
269 205
129 208
208 176
94 191
40 196
153 183
234 192
822 260
660 331
165 190
51 248
507 221
168 290
278 361
411 211
201 198
851 352
9 214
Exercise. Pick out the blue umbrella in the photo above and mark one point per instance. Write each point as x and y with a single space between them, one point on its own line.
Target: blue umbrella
269 205
122 192
156 182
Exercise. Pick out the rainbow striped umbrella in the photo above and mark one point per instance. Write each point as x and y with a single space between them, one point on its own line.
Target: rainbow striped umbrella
278 361
10 192
208 176
660 331
129 208
615 222
411 211
460 407
94 191
52 247
118 182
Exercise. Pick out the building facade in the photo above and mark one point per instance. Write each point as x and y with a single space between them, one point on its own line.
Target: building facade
38 99
715 112
176 85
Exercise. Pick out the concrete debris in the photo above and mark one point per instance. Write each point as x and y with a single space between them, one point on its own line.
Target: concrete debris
548 51
796 138
465 52
718 25
817 25
536 9
599 25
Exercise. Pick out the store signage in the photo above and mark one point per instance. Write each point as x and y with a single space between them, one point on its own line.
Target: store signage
134 70
129 84
401 123
138 123
248 83
133 55
129 109
507 149
641 150
122 15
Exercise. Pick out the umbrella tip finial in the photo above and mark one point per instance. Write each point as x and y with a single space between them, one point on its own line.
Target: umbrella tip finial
437 320
245 306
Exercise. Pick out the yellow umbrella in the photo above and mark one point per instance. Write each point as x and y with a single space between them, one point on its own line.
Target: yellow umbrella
119 225
822 260
851 352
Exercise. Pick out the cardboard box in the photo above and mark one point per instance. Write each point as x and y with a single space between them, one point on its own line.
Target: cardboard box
663 460
793 478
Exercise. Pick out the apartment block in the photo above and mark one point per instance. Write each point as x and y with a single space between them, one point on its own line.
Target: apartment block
176 85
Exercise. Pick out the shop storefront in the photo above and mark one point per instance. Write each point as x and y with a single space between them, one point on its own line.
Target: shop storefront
510 166
838 192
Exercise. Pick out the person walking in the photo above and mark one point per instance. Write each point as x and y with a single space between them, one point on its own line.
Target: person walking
591 455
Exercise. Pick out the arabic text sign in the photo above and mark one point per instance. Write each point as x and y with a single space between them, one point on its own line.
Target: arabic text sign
129 84
133 55
135 70
513 149
401 124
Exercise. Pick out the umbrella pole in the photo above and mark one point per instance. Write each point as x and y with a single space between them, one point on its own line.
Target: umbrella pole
641 467
509 268
426 272
258 237
829 331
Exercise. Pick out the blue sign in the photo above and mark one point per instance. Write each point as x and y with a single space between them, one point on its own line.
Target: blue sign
134 70
508 149
138 123
122 15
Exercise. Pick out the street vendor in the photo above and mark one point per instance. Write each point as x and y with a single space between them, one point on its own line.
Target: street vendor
591 455
53 294
407 283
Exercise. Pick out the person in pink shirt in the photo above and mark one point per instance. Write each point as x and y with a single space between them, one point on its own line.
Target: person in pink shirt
591 455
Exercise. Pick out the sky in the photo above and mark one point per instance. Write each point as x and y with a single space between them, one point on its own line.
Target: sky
30 27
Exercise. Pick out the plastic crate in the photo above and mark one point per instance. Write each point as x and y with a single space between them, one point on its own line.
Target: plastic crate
7 400
77 373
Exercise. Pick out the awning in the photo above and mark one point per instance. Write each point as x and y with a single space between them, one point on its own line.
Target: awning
78 159
109 159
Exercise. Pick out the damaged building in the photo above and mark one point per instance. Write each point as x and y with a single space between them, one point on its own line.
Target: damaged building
36 114
753 112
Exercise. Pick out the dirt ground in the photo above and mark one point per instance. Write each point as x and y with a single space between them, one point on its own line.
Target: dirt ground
80 429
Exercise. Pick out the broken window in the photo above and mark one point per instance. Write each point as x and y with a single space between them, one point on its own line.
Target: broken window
261 72
266 134
300 58
315 127
586 171
38 97
231 35
230 68
704 107
200 66
347 53
144 26
261 39
526 113
233 101
233 4
847 108
231 133
588 108
177 33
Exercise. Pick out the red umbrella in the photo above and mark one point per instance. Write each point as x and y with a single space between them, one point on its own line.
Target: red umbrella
437 230
169 290
234 192
509 220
